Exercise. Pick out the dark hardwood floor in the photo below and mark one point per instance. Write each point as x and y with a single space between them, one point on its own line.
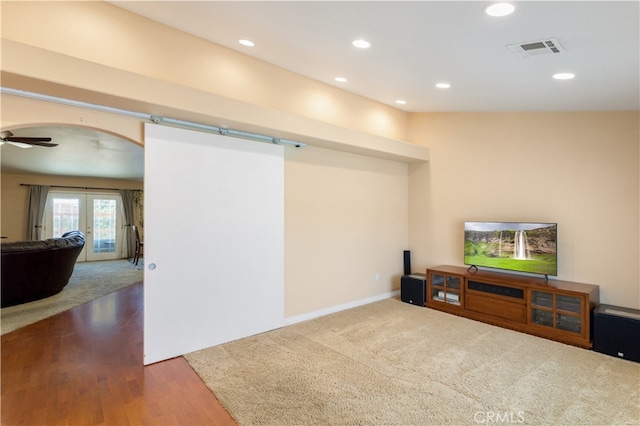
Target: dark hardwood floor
84 367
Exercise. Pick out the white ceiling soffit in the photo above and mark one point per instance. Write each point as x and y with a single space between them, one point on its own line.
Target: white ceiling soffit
416 44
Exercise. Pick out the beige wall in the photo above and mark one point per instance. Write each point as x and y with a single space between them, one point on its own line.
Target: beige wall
346 221
346 218
577 169
580 170
14 197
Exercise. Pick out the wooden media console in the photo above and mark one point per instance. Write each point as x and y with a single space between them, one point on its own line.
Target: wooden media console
554 309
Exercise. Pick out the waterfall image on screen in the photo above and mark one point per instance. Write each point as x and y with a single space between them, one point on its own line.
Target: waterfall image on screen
515 246
520 245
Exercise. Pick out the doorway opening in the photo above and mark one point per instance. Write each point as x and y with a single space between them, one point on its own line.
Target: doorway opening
99 216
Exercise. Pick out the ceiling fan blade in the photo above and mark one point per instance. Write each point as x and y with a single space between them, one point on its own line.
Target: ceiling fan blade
45 144
19 144
26 139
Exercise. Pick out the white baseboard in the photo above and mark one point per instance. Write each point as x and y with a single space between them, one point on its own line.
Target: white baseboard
333 309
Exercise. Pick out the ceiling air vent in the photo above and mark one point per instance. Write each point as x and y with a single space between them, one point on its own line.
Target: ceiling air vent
548 46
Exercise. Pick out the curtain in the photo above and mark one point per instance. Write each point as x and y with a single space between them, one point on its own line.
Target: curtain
127 205
35 211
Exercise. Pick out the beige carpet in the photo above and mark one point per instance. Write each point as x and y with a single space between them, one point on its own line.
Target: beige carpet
89 281
391 363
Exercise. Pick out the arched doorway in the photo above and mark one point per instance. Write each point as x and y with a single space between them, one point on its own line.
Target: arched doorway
85 171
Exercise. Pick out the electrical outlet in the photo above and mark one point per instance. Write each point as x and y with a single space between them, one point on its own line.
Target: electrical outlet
377 277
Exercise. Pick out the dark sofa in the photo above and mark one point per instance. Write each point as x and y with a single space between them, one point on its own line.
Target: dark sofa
33 270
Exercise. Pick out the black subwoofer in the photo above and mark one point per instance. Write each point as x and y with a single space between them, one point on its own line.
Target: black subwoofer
616 331
413 289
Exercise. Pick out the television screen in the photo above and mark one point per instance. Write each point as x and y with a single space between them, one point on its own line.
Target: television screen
515 246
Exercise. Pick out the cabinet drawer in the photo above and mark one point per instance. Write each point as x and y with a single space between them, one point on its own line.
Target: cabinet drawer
496 308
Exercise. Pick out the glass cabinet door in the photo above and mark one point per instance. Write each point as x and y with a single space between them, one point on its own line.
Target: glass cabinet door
568 323
568 303
542 317
453 283
557 311
542 299
437 280
445 288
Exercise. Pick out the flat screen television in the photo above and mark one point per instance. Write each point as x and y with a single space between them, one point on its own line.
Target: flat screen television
514 246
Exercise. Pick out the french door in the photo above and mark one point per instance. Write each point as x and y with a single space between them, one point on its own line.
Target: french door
98 216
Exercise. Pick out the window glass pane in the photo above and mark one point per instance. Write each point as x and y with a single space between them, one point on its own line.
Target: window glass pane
66 215
104 226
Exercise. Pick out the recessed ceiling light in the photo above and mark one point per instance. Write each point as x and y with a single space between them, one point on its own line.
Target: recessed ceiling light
362 44
443 85
564 76
401 102
246 42
499 9
341 79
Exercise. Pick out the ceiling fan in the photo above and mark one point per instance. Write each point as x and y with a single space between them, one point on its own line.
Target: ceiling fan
24 142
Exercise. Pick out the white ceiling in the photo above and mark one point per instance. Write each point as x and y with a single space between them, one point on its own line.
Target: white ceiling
414 45
80 152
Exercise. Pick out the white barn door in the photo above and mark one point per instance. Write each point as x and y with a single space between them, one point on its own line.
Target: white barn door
213 240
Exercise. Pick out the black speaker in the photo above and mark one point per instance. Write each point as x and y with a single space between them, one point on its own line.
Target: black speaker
407 262
616 332
413 289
